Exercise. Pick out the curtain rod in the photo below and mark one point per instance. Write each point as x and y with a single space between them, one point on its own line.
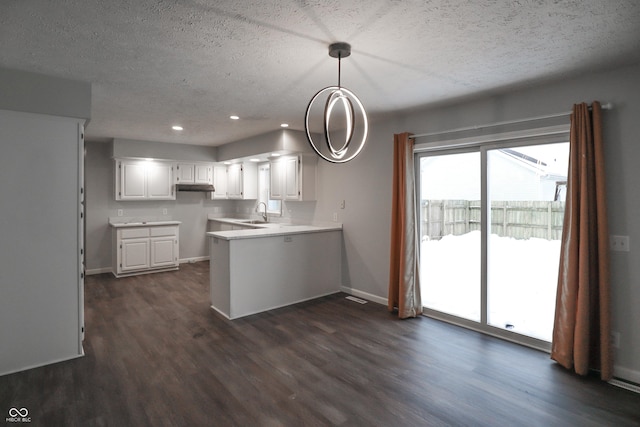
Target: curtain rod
607 106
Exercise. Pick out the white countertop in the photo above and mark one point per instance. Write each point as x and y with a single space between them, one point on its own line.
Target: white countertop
245 222
116 224
270 229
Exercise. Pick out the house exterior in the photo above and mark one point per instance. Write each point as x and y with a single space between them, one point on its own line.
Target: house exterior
516 176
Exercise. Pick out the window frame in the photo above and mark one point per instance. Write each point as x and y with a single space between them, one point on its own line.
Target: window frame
261 190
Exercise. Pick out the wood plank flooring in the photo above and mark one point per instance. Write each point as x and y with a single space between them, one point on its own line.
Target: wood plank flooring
156 354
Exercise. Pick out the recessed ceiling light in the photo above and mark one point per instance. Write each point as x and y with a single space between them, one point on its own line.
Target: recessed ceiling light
275 155
284 125
234 117
176 127
227 163
254 160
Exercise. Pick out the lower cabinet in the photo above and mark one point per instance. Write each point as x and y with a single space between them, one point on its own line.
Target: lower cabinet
134 254
143 249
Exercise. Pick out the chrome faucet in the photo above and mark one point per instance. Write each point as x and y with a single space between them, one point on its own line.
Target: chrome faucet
264 215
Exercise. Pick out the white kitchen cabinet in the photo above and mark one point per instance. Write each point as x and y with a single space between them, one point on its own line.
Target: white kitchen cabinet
242 181
134 254
144 249
194 173
219 182
133 180
144 180
276 180
160 181
293 178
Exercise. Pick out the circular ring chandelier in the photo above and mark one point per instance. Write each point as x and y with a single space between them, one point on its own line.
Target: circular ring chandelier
354 122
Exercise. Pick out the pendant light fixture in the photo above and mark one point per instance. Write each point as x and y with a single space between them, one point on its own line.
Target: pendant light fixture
350 128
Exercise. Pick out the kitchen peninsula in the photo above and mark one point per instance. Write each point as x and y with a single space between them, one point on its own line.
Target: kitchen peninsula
259 269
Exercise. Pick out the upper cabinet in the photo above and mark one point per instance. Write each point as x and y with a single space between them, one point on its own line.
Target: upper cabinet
242 181
194 173
144 180
293 178
219 182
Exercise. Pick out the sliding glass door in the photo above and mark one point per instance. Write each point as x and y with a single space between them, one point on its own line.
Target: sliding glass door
450 233
526 196
490 226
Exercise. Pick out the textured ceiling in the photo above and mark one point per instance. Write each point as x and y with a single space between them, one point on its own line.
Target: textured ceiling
156 63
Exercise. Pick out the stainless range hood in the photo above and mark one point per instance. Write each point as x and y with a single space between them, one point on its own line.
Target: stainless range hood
195 187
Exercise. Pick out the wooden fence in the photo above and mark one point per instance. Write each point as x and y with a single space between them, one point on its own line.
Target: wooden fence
518 219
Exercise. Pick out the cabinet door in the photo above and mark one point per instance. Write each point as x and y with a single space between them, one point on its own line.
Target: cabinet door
276 180
134 254
291 188
160 181
185 173
163 251
203 174
219 182
234 181
133 180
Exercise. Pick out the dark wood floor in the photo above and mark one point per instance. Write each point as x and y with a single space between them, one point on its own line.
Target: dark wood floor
156 354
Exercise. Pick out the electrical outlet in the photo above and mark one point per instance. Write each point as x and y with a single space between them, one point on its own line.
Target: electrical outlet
342 203
164 211
619 243
288 239
335 217
120 212
614 339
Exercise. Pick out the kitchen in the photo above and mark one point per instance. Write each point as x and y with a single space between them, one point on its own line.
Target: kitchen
133 252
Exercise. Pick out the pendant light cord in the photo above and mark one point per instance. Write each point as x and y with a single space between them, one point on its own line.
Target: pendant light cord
339 62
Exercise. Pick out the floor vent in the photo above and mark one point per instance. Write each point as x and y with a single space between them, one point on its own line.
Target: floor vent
626 385
358 300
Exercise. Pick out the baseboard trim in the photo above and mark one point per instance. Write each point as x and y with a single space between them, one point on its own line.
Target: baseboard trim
364 295
193 259
624 375
94 271
39 365
102 270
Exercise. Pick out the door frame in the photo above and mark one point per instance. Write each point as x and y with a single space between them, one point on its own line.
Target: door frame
483 144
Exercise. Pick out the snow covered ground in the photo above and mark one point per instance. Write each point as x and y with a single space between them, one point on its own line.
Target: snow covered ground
521 286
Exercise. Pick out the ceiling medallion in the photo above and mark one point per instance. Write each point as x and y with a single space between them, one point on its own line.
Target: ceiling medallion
342 108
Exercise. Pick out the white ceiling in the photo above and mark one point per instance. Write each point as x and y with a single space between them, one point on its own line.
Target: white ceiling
155 63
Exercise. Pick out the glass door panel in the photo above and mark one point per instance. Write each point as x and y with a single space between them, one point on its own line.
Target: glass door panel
526 192
450 248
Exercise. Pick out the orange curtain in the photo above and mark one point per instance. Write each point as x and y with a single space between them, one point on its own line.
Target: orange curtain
582 320
404 284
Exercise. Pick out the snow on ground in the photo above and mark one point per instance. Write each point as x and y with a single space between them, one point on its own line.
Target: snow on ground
521 286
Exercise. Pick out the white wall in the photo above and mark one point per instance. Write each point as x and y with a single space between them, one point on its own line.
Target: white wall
40 242
37 93
40 246
365 185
